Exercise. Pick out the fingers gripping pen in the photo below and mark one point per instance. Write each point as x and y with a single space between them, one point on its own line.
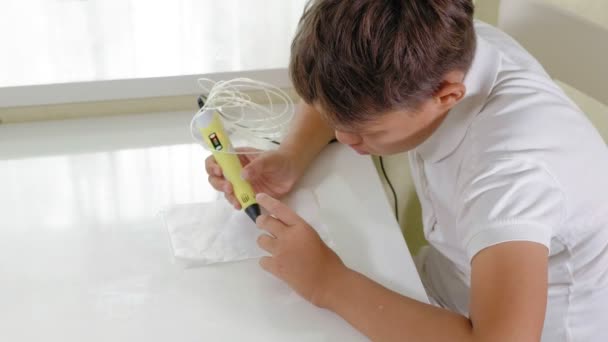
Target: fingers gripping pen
209 125
231 102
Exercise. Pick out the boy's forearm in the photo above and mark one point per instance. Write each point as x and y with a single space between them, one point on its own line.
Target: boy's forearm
308 135
384 315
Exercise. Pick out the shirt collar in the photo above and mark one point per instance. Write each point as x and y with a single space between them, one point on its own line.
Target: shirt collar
479 82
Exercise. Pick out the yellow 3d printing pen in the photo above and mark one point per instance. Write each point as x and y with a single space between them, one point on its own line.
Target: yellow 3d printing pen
212 131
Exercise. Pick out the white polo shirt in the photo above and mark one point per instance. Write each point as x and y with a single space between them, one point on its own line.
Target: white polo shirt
516 160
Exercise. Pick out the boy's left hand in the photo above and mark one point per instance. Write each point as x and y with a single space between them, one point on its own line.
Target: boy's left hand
299 256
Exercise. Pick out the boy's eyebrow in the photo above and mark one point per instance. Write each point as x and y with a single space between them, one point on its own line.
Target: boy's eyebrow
359 128
365 128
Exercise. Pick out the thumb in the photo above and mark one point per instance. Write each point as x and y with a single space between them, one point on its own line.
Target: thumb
278 209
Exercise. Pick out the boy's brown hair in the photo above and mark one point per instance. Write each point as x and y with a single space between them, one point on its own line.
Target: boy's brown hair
359 58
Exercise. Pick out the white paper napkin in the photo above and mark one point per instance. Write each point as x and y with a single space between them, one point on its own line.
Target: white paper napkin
207 233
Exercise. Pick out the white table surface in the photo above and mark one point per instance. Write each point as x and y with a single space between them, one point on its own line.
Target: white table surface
84 255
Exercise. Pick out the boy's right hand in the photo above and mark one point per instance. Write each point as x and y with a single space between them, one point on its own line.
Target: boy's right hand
273 172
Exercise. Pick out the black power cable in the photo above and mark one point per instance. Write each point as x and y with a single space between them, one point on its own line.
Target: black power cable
391 186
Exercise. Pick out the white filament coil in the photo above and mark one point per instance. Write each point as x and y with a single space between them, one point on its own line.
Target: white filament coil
233 100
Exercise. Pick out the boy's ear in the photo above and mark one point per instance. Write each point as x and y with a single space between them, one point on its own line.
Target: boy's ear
449 94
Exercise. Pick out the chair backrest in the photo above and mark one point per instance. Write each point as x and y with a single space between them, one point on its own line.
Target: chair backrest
572 49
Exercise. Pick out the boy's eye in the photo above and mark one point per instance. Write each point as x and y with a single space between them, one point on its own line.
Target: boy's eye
374 133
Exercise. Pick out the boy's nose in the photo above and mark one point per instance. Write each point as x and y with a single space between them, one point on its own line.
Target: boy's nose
348 138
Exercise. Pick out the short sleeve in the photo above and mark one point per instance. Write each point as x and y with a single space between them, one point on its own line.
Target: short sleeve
508 200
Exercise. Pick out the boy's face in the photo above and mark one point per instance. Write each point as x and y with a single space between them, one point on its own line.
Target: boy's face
394 132
399 131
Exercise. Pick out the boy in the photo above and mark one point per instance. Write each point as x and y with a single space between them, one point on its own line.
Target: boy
510 175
